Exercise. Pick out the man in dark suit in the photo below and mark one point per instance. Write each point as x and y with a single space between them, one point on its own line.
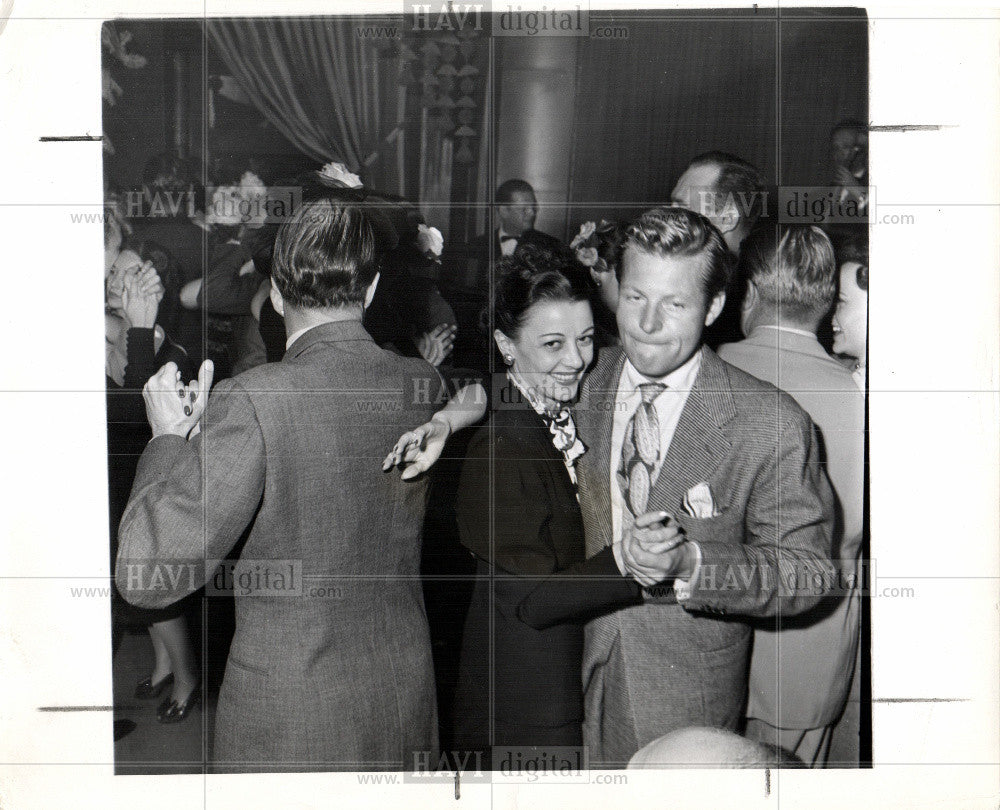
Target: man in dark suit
730 193
516 210
472 267
706 482
330 666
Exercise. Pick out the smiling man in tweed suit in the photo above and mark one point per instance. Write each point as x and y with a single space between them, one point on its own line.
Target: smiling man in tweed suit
673 429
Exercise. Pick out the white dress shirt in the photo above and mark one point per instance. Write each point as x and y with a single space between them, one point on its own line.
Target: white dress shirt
296 335
668 405
507 248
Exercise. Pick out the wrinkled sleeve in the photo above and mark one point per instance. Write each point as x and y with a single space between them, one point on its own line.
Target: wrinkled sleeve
191 501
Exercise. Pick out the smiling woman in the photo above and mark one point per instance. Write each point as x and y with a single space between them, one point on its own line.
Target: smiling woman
518 514
545 332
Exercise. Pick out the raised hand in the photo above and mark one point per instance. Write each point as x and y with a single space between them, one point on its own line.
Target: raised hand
141 295
149 281
434 346
418 449
172 407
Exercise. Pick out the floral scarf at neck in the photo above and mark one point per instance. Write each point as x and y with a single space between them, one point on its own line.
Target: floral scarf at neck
560 424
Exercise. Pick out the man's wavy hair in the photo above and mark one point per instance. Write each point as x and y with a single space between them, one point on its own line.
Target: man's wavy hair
674 232
325 255
792 268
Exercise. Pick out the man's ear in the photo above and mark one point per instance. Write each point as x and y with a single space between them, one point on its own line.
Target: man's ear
276 300
751 297
370 292
715 308
729 219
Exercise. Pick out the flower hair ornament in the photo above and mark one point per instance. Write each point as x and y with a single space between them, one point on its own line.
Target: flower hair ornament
430 242
585 243
338 174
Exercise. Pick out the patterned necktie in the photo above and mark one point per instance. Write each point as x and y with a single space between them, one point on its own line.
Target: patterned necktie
640 451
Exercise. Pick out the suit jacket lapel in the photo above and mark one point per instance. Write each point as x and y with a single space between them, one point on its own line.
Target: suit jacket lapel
595 424
700 442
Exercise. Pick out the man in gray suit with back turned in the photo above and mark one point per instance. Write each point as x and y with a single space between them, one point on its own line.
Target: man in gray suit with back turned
800 674
707 482
339 676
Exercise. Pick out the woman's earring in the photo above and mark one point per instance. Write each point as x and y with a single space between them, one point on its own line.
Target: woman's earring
508 359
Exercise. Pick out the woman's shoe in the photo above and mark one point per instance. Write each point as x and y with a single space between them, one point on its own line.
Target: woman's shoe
173 711
147 690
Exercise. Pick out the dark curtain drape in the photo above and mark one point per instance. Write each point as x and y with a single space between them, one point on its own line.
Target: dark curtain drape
333 94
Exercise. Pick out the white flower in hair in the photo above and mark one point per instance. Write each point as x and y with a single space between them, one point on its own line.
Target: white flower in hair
251 186
429 240
586 231
338 173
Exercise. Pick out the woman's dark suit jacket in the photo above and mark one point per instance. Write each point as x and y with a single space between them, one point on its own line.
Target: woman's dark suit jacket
536 532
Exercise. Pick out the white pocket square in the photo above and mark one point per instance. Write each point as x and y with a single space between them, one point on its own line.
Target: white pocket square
698 502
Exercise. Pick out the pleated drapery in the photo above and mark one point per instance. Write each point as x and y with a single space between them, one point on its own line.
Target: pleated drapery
328 91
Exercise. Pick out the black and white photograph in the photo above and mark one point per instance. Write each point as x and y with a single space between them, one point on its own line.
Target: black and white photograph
487 407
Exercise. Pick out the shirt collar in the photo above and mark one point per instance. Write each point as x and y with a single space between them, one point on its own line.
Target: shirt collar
296 335
680 379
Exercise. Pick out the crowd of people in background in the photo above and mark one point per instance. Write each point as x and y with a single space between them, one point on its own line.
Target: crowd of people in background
623 445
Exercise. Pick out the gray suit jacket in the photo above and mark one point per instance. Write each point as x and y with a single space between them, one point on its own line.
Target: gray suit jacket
335 673
800 676
662 666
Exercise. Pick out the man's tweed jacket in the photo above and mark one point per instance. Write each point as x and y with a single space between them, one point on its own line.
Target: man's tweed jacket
661 666
335 675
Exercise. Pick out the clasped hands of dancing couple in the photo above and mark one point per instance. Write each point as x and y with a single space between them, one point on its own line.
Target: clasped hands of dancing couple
655 549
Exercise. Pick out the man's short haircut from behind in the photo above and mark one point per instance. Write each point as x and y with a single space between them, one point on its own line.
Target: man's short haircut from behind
674 232
739 180
507 190
325 255
793 269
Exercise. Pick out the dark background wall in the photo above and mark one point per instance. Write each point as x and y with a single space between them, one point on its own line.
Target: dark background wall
768 89
599 127
168 105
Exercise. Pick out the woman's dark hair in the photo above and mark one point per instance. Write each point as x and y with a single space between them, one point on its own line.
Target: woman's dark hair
854 248
325 255
531 278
